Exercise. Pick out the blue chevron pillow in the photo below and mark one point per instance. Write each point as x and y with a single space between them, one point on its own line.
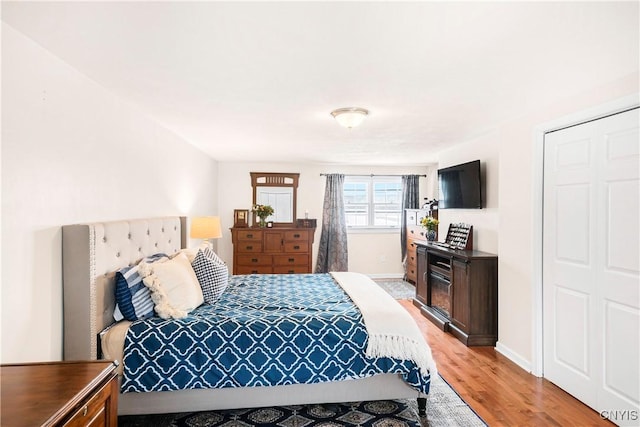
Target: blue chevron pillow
133 298
212 274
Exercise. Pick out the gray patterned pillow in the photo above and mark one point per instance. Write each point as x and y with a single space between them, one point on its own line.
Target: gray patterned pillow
213 276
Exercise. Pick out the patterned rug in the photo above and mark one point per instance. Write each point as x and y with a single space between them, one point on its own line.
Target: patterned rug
444 409
398 288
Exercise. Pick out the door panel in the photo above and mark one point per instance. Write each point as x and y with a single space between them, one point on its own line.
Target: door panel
591 262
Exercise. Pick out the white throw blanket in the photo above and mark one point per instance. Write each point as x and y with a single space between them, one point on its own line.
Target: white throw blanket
392 331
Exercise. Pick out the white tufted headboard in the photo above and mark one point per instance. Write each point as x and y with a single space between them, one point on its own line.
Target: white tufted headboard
91 254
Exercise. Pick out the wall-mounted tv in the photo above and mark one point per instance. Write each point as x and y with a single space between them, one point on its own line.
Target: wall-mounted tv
460 186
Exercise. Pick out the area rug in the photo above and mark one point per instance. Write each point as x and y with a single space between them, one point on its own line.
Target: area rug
398 288
444 409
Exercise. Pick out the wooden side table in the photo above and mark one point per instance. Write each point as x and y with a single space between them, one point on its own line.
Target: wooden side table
83 393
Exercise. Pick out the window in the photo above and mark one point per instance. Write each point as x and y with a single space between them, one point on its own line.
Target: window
373 201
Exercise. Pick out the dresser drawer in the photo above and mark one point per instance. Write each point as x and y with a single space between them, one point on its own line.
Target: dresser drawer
257 259
416 232
411 217
95 411
250 234
302 236
411 245
252 269
290 269
249 246
295 247
411 258
293 259
412 273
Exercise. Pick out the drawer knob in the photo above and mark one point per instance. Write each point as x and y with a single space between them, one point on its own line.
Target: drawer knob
292 259
84 410
296 247
254 259
249 248
297 236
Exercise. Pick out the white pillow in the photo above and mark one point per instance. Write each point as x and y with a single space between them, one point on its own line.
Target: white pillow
174 286
189 252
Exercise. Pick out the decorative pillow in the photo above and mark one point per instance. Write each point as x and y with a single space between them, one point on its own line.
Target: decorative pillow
174 286
213 276
189 252
133 298
209 253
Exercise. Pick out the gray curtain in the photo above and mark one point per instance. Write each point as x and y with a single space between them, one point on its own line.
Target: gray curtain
410 200
332 253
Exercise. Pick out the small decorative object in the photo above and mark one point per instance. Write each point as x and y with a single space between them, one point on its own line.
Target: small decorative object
270 224
262 212
241 217
460 236
431 224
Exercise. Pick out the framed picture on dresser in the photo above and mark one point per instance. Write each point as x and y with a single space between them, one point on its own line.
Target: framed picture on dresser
240 217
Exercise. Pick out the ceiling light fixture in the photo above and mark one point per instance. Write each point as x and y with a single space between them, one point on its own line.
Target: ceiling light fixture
350 117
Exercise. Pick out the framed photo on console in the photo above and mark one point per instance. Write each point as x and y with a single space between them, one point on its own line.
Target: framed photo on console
240 217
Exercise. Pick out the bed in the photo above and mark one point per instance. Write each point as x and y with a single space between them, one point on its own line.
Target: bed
92 253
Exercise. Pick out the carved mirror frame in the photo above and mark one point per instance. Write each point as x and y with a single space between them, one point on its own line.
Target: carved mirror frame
271 179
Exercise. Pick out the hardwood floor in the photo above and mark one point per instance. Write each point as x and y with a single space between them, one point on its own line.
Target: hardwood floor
501 392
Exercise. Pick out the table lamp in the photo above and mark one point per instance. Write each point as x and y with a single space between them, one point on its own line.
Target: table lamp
206 228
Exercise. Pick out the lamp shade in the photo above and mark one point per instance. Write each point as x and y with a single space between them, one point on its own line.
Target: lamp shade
206 227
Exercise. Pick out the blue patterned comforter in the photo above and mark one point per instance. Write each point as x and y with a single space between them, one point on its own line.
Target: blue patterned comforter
265 330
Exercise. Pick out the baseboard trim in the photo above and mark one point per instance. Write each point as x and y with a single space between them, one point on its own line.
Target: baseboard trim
514 357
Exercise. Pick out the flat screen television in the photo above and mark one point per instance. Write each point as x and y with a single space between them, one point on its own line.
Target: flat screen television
460 186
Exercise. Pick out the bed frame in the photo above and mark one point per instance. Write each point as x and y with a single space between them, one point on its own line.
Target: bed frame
92 253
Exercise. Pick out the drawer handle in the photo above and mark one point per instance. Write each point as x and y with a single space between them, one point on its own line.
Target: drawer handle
292 259
249 247
254 271
254 259
249 236
84 410
296 247
296 236
291 271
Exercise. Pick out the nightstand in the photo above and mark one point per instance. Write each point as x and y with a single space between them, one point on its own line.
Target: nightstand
59 394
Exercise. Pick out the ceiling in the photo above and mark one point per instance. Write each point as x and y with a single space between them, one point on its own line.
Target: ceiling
257 81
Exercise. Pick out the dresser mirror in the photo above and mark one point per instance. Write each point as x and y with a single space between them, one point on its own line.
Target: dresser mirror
279 190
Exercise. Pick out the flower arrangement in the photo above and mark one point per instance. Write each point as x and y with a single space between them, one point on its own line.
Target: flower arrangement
429 222
262 211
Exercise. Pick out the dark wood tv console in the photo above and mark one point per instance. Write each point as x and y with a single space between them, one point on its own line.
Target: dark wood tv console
458 291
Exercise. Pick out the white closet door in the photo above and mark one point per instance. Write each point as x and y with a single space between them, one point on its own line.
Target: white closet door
591 263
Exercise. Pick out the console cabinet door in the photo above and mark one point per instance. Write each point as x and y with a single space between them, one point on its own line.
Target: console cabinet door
460 310
421 275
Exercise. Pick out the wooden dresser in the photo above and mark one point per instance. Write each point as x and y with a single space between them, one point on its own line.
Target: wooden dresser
414 232
59 394
278 250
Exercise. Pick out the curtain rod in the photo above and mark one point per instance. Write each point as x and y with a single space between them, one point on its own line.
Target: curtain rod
370 175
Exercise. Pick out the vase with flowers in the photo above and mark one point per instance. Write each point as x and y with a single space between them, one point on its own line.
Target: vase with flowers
431 224
262 212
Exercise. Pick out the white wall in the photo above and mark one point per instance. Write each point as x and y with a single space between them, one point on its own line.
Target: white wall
376 254
72 152
507 226
485 220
